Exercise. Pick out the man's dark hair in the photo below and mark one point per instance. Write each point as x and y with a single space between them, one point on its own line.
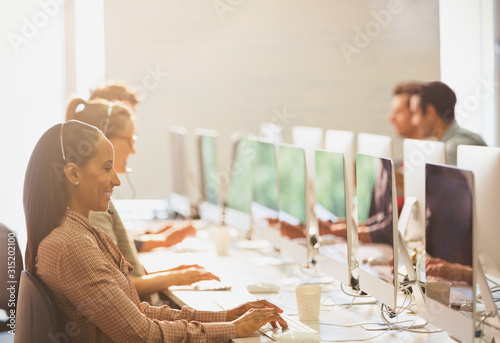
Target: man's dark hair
440 96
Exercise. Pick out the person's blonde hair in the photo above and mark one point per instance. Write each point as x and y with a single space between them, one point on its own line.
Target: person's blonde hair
116 91
109 117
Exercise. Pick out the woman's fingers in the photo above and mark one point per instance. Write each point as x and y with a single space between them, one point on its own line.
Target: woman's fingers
261 304
208 276
254 319
258 304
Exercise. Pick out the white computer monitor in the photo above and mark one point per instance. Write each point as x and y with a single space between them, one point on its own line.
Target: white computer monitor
265 193
238 196
485 164
310 139
179 202
377 228
340 141
416 154
450 249
334 213
210 208
375 145
271 132
296 214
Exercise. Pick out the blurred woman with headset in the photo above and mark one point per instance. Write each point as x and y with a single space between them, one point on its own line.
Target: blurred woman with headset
116 121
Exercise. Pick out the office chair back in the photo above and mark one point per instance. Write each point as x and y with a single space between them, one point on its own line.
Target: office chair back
38 318
10 268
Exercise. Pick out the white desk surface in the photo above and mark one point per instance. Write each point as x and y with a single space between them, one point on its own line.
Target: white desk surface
239 270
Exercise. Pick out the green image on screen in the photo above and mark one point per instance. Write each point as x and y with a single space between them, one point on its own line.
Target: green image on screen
239 193
330 185
292 182
366 174
265 183
210 169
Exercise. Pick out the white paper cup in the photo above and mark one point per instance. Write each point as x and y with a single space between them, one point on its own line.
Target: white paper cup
308 302
221 240
439 291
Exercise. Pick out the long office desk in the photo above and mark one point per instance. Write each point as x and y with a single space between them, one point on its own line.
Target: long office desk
245 266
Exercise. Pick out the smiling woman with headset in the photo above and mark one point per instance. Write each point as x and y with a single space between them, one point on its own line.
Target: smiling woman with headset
70 174
116 121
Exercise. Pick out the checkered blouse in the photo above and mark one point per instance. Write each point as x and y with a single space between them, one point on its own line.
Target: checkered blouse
89 278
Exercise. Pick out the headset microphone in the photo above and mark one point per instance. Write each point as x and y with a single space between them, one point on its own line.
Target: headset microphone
110 211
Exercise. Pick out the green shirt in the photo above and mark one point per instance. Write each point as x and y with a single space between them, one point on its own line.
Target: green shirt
455 136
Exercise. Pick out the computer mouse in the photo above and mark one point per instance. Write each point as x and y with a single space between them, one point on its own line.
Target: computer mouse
302 337
378 261
183 249
263 287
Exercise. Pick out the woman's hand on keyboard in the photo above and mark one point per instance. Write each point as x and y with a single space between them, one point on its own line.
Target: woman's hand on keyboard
171 236
252 315
188 276
255 318
258 304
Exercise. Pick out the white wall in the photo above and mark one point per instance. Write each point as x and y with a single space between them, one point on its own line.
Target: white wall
231 70
32 93
467 30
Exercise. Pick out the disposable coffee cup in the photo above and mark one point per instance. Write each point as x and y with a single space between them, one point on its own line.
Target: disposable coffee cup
308 302
221 240
439 291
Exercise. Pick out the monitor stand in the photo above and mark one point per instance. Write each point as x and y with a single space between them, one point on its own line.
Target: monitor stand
417 290
493 323
303 272
412 275
406 212
403 253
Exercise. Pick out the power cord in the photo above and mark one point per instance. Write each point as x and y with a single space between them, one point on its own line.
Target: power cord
384 310
346 306
353 295
356 340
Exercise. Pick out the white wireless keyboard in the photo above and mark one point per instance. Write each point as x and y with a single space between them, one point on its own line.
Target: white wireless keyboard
294 325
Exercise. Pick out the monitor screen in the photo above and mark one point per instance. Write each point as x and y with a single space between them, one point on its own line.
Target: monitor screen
295 212
332 215
239 192
449 216
330 188
416 154
264 176
292 192
209 207
265 193
377 227
484 162
209 169
178 158
179 202
448 229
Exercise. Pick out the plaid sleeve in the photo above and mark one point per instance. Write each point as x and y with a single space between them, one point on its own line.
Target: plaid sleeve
98 290
187 313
